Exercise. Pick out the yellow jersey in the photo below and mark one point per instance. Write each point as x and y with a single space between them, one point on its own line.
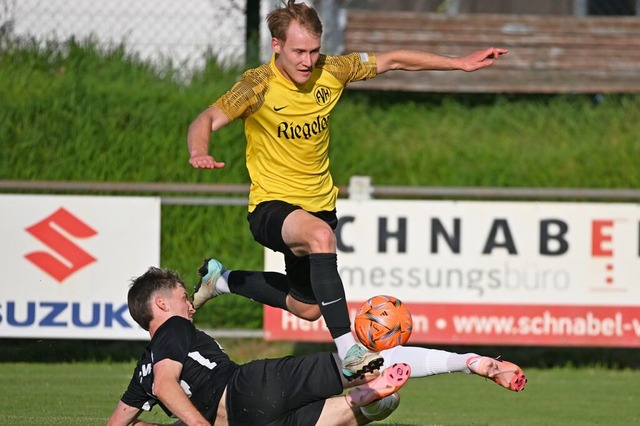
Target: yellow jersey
287 128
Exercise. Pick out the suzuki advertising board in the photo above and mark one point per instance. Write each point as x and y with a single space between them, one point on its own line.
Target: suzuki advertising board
512 273
67 262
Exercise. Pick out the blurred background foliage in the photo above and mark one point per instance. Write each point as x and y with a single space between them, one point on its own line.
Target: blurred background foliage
73 112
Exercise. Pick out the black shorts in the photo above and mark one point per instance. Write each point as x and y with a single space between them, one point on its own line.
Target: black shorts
284 391
265 223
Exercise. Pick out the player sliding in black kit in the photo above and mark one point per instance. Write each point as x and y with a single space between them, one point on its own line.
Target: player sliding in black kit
188 374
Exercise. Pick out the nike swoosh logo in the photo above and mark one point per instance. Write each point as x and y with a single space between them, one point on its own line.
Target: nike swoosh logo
276 109
331 303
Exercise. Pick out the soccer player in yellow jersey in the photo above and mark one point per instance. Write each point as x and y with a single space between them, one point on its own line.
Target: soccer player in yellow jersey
285 106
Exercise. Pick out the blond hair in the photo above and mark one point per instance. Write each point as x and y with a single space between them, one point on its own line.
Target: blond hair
281 18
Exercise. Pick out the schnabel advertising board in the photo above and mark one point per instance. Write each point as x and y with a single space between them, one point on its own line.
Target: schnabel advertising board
67 262
513 273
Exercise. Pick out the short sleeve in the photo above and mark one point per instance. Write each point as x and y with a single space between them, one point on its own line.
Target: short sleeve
135 395
172 340
247 95
352 67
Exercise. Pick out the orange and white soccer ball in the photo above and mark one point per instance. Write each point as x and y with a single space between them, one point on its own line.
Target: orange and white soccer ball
383 322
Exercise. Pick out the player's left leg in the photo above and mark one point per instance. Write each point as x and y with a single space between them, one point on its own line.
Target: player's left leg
210 273
268 288
504 373
428 362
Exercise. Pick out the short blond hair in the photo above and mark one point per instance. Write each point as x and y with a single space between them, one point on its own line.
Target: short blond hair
281 18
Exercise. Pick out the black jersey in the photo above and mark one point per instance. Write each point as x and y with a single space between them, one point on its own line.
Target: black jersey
206 368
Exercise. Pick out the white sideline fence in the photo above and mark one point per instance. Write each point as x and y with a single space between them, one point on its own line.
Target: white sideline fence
360 187
187 32
155 30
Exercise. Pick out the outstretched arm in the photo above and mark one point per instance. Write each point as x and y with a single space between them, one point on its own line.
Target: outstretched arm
415 60
198 137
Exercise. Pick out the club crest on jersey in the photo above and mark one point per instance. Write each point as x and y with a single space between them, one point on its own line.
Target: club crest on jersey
322 95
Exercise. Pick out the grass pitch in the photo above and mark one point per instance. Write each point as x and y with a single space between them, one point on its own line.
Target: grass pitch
85 394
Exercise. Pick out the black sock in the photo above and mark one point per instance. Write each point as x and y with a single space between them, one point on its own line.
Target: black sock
268 288
329 292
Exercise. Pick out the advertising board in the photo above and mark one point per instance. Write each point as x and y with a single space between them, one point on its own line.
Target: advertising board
67 262
482 272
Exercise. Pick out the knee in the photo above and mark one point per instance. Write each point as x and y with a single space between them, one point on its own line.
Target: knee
304 311
311 315
323 240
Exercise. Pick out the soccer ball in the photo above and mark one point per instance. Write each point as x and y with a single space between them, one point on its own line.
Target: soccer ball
383 322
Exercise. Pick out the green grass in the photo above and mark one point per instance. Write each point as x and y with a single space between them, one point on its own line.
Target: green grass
85 394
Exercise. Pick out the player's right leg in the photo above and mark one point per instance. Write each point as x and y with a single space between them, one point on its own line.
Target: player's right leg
336 411
390 380
381 408
312 269
315 279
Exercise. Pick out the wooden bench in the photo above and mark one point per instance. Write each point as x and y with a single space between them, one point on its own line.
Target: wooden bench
547 54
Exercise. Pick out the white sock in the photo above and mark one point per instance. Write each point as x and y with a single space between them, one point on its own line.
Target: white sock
427 362
344 343
222 284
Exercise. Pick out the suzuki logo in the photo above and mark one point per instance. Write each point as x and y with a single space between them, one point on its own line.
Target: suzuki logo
52 232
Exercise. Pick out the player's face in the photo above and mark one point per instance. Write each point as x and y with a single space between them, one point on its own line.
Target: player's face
298 55
180 304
